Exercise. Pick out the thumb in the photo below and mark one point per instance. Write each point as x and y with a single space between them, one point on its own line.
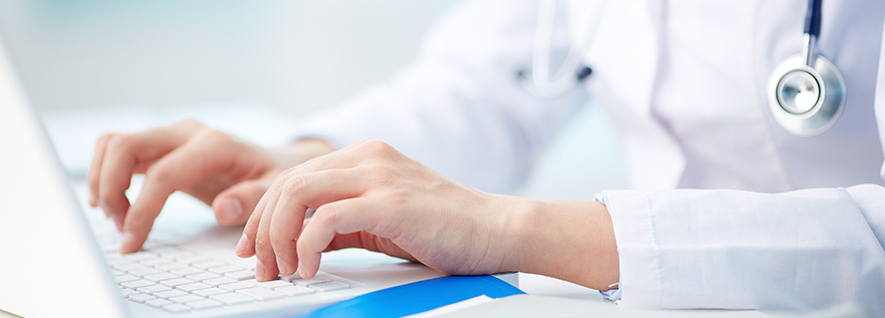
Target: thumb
234 205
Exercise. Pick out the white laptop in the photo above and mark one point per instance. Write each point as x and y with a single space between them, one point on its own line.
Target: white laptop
57 260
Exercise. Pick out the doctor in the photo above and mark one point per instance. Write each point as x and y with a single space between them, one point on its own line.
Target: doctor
729 207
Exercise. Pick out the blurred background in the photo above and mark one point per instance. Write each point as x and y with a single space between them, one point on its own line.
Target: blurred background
251 68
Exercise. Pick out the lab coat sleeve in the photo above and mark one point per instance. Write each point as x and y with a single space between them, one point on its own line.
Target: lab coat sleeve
798 251
460 109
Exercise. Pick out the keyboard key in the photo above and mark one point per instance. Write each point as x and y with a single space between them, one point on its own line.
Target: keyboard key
186 271
192 287
238 285
231 299
310 281
139 256
140 298
176 282
329 286
154 261
160 276
125 278
260 293
128 266
163 251
219 281
293 290
208 264
186 298
209 291
170 293
225 269
274 284
190 259
205 303
150 246
144 271
241 275
177 254
169 266
135 284
153 289
157 303
174 308
116 272
202 276
119 261
126 292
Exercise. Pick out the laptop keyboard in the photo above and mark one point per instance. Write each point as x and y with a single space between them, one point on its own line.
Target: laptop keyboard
168 277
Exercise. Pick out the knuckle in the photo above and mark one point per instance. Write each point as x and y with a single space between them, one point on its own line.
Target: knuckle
262 245
376 146
327 214
189 123
213 134
278 237
296 183
121 142
158 175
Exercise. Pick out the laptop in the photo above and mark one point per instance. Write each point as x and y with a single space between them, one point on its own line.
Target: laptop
58 259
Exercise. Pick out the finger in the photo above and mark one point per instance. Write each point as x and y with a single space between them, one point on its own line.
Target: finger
122 154
299 193
340 217
234 205
246 245
267 268
347 157
95 169
179 169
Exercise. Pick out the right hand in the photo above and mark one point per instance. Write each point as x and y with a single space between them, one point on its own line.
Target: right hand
229 174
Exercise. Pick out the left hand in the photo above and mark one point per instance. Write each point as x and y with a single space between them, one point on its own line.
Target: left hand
371 196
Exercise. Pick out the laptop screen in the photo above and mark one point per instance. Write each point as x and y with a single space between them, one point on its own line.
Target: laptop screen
50 265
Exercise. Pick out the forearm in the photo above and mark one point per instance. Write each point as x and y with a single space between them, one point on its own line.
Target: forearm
566 239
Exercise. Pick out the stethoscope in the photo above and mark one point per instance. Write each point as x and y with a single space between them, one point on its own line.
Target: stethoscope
806 92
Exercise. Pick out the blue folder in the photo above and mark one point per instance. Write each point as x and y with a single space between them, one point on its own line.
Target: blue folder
418 297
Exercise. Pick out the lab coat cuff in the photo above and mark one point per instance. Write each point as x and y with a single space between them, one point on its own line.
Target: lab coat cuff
640 275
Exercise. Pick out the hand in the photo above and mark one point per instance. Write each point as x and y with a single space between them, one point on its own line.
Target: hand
371 196
229 174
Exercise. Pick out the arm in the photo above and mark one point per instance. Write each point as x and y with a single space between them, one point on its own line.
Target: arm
371 196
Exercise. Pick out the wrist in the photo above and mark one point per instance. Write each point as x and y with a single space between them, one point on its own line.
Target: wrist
566 239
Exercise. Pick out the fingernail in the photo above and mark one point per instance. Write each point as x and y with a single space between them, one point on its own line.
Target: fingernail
301 270
232 209
260 271
282 266
241 245
127 244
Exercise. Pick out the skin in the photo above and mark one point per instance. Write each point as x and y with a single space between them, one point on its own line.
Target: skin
367 195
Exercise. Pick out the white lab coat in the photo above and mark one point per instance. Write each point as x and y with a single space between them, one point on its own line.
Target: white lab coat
684 84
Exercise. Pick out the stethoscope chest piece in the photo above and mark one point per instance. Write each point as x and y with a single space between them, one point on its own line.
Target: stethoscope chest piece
806 101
